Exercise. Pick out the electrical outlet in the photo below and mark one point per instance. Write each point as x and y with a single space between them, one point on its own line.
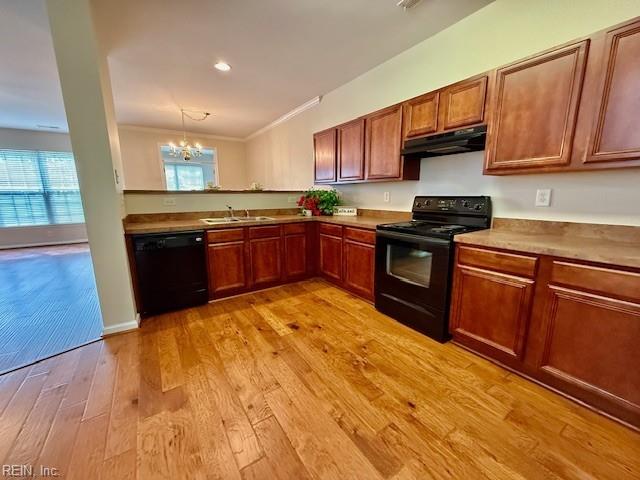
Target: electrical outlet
543 197
169 202
387 197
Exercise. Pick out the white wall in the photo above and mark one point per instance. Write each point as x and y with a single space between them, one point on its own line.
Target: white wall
12 237
502 32
143 168
205 202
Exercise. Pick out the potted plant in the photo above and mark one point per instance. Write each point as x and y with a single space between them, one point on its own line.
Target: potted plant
319 201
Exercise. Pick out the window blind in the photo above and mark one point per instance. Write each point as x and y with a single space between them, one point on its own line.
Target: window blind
38 188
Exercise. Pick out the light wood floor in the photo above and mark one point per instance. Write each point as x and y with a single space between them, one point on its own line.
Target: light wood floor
48 303
302 381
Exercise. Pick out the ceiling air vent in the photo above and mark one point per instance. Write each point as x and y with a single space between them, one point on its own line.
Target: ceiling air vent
407 4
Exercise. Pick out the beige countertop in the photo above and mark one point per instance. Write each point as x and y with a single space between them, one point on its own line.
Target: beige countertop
178 225
611 244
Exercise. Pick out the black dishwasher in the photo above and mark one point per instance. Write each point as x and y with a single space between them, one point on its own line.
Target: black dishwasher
171 271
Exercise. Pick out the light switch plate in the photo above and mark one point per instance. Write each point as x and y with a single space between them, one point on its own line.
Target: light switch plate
543 197
169 202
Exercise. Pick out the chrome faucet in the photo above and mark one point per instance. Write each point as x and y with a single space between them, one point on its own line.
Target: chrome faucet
231 213
246 213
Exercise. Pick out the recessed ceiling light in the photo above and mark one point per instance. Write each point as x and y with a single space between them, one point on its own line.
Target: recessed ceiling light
222 66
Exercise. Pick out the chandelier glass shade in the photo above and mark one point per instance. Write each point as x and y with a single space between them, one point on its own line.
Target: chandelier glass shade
185 149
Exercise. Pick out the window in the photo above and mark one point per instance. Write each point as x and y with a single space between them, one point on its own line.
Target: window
38 188
198 173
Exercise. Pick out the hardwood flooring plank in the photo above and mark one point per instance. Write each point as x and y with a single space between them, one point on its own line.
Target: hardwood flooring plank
300 381
123 419
28 444
88 451
100 395
58 447
167 447
17 411
278 450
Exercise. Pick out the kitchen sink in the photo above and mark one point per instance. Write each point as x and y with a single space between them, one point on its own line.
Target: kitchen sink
223 220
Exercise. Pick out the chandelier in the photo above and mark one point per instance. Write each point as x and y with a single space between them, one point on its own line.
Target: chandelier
184 149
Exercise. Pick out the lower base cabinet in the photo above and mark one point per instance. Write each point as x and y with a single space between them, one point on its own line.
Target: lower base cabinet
266 265
571 326
250 258
491 302
359 267
331 257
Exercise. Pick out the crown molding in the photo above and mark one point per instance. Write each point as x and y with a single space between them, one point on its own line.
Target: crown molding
296 111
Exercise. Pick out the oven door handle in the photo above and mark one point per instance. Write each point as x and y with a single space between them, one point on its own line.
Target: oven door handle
412 238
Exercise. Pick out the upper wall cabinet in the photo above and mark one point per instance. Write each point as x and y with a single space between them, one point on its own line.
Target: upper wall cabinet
351 151
462 104
324 145
383 140
572 108
534 110
421 115
608 132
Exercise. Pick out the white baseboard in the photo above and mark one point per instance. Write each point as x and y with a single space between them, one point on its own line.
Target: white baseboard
121 327
43 244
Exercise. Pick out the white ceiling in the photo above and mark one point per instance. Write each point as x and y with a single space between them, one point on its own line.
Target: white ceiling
161 53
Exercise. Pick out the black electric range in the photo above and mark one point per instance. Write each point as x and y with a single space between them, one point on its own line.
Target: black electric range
414 260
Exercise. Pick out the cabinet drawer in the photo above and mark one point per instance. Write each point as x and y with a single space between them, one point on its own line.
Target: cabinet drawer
615 283
333 230
503 262
225 235
264 232
293 228
360 235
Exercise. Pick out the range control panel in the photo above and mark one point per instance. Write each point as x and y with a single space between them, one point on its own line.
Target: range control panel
460 205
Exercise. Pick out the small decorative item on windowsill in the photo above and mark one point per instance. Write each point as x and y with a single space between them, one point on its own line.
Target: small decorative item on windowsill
319 201
255 186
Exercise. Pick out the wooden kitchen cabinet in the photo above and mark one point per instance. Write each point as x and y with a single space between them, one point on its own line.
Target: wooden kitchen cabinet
463 104
534 111
351 151
359 261
491 303
265 246
227 268
296 259
421 115
608 133
331 256
383 142
325 151
590 330
572 326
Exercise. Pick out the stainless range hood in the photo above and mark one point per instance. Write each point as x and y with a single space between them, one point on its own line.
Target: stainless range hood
459 141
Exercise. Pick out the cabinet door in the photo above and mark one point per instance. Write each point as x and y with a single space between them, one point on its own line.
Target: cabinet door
463 104
534 109
265 260
295 255
490 312
383 144
331 257
226 268
611 103
324 144
351 151
591 331
359 268
421 115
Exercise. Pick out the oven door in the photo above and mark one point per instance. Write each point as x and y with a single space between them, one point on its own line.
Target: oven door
413 269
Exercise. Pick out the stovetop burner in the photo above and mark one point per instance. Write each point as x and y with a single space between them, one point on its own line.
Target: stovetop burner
444 217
